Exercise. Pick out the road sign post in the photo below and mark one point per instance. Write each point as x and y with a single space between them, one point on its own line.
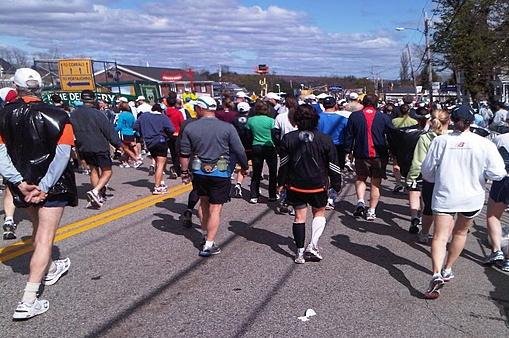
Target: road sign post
76 75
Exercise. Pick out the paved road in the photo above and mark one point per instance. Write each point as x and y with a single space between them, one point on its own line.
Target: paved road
136 273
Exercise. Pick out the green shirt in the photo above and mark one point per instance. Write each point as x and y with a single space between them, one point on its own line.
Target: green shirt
420 152
261 127
404 121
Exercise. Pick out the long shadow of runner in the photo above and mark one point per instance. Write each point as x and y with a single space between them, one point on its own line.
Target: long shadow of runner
21 264
382 257
262 236
168 223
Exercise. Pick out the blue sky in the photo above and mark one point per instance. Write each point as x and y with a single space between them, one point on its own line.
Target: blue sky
321 37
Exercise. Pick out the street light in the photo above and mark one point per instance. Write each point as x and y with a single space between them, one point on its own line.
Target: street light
428 52
278 88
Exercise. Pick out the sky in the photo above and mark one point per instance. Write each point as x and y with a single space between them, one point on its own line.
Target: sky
297 37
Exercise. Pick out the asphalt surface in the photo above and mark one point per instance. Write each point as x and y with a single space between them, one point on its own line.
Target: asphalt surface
138 274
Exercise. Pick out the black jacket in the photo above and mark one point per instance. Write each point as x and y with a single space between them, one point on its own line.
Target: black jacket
31 132
308 160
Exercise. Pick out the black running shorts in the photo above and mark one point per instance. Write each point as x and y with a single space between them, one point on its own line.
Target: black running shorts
217 189
159 150
499 191
427 196
99 160
300 200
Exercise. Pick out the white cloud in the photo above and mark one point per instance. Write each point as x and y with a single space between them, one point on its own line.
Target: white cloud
202 33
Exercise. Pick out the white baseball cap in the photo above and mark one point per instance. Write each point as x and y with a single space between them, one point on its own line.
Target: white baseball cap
243 107
241 94
353 96
122 99
272 96
322 96
27 78
140 98
206 102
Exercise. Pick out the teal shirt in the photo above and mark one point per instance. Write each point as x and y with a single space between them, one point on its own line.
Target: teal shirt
261 126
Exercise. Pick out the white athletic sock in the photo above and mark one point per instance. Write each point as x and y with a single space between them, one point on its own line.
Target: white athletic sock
361 201
447 270
95 191
208 245
9 218
438 274
30 294
52 267
300 251
317 228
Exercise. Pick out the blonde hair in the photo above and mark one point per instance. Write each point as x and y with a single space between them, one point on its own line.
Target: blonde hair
439 118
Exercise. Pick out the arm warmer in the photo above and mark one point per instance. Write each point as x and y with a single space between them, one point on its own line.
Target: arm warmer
56 167
7 169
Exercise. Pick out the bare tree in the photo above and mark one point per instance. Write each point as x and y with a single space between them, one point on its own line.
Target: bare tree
404 71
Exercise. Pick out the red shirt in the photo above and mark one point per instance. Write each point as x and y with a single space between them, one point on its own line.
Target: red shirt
176 118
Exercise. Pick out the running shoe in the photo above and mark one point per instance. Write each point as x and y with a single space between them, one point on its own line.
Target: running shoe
505 265
299 258
447 275
282 208
237 191
370 215
349 166
398 189
124 165
151 170
291 211
313 253
9 229
187 218
253 200
137 164
360 210
424 238
435 285
213 250
161 190
414 225
274 199
29 310
63 266
172 175
330 204
94 199
494 257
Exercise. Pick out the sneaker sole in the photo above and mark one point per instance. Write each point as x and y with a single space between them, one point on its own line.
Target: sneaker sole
434 293
92 200
203 254
25 315
55 280
312 257
9 235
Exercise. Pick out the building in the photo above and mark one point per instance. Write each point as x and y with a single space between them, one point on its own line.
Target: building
153 81
501 86
6 73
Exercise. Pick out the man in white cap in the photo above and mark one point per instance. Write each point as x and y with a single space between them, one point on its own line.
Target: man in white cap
47 131
142 106
274 100
206 147
354 104
240 97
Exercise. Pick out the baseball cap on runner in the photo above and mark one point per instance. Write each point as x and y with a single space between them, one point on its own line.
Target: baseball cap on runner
8 94
463 113
241 94
243 107
206 102
140 98
322 96
329 102
122 99
272 96
27 78
87 95
353 96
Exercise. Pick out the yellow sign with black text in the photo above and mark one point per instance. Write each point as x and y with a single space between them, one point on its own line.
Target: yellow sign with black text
76 75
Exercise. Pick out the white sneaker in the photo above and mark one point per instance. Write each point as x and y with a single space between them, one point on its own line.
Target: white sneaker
313 252
29 310
299 258
63 266
253 200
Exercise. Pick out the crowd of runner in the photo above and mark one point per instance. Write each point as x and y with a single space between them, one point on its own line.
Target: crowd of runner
442 157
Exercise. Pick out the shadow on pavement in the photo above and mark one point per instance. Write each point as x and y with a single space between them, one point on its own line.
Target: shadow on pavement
500 295
143 183
21 264
382 257
262 236
124 315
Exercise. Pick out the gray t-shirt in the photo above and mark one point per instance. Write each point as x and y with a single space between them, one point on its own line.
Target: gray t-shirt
209 138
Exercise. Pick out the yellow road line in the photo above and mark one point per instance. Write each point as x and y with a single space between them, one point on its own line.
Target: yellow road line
22 247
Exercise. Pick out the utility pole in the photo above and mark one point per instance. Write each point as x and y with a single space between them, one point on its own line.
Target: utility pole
412 70
428 52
